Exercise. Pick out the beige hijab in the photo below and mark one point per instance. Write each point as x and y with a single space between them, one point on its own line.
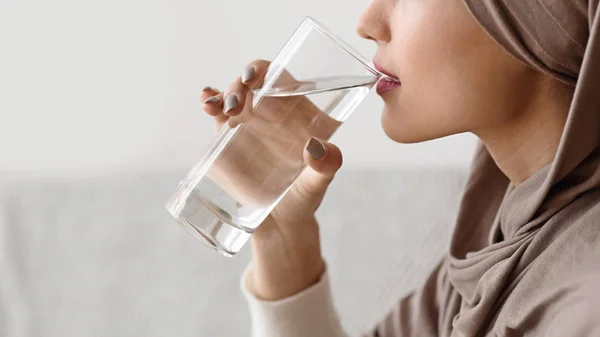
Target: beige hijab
525 261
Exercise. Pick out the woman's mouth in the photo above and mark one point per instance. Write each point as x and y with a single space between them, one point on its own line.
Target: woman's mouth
386 83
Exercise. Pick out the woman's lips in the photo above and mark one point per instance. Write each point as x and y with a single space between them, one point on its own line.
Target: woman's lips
382 70
386 84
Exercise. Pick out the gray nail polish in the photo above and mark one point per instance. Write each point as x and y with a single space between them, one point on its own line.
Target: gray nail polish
316 149
248 74
231 102
206 88
212 99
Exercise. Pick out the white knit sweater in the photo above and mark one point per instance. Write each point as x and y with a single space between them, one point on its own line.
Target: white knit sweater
308 313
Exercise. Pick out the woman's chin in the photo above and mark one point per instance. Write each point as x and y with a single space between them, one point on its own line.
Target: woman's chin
400 135
400 130
409 128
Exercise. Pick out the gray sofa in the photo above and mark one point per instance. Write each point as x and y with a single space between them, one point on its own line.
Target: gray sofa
101 257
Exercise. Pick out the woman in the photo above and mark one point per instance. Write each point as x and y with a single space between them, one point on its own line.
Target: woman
522 75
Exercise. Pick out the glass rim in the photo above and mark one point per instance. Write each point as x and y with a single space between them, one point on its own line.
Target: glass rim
342 44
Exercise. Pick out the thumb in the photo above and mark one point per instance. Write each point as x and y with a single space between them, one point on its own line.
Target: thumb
305 196
324 160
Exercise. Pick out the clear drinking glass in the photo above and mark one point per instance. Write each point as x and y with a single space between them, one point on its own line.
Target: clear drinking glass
310 89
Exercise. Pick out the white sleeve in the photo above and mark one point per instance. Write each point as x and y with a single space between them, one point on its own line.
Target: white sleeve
307 313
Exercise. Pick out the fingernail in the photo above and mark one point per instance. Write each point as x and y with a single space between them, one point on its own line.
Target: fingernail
206 88
248 74
231 102
212 99
316 149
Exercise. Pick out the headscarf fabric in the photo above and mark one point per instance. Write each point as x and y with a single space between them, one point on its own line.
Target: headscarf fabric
525 260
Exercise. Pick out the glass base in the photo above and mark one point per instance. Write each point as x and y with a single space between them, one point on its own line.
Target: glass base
208 229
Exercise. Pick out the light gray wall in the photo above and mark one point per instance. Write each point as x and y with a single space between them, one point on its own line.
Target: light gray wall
112 85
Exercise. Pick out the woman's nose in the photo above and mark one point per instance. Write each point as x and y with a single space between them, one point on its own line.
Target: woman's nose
374 22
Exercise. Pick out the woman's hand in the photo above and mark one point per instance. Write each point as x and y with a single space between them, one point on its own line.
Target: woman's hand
286 248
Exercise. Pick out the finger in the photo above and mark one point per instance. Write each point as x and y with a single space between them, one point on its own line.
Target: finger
306 194
253 75
234 98
236 95
219 120
325 159
211 100
213 105
207 92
